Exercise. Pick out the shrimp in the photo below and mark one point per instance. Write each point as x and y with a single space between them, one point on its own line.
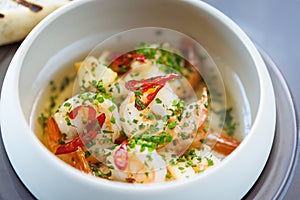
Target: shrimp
101 75
53 136
77 159
222 143
147 119
89 120
93 70
134 120
158 112
136 164
95 75
192 118
193 162
104 74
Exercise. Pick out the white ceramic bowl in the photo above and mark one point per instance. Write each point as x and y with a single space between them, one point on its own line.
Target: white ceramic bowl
69 33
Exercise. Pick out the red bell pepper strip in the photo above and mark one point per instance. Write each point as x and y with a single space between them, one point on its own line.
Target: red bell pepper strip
149 88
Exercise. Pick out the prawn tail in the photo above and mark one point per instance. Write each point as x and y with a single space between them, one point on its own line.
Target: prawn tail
53 134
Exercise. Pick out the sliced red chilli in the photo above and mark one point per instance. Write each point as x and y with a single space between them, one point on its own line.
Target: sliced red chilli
121 156
121 64
84 137
146 90
91 112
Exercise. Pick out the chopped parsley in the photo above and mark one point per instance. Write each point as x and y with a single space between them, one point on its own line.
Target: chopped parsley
210 162
111 108
172 125
158 100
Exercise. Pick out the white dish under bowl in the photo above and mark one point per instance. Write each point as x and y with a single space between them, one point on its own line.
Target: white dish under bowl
71 32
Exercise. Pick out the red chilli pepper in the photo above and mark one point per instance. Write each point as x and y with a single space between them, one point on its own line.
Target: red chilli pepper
69 146
121 156
139 57
121 64
84 137
154 83
91 112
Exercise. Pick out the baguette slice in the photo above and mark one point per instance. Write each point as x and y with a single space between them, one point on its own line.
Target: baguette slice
18 17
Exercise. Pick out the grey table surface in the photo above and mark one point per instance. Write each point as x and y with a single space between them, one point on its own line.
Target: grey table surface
274 25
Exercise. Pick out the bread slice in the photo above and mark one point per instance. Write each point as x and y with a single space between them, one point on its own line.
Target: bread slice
18 17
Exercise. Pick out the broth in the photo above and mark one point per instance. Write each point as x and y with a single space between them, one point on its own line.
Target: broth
209 149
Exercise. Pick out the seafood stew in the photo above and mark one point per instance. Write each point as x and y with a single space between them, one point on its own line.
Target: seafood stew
138 117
